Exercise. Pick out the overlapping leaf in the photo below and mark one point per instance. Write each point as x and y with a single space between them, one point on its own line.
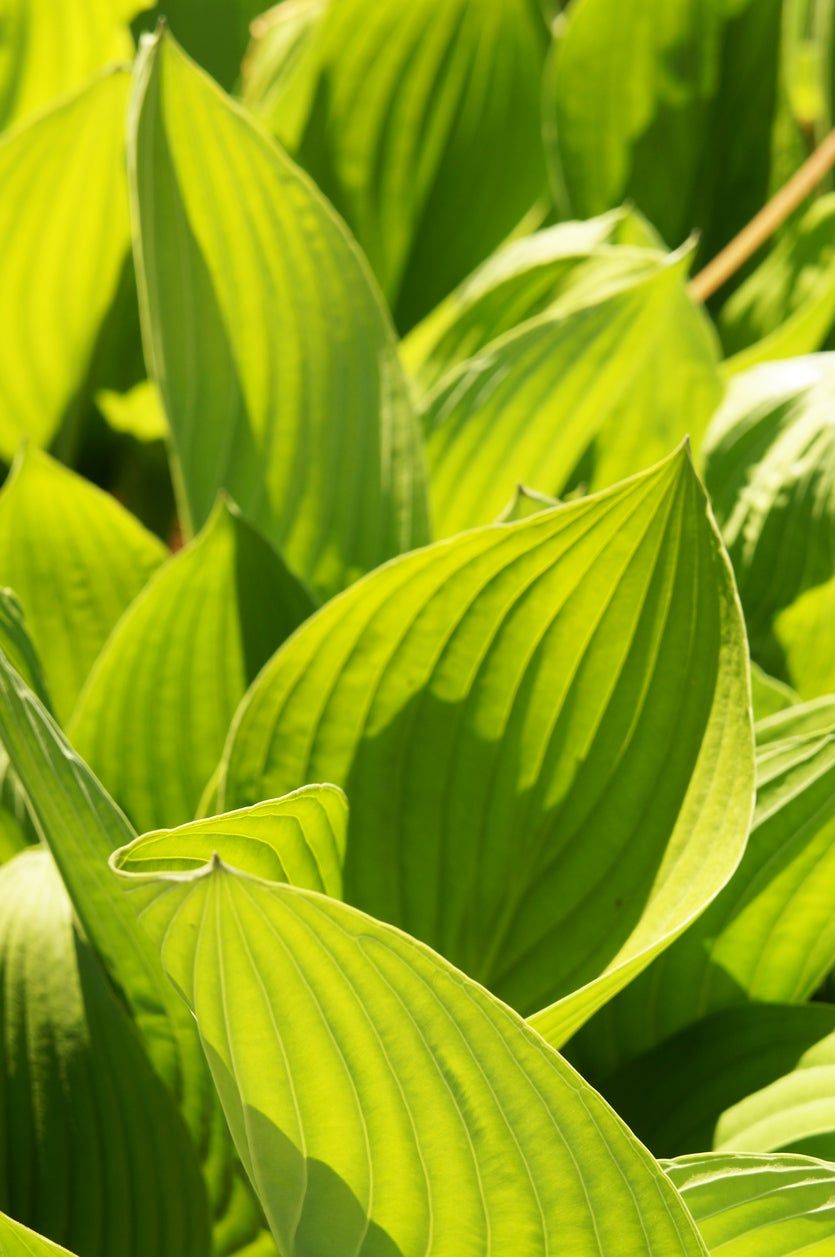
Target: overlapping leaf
266 335
93 1151
804 637
543 732
383 1102
75 559
573 396
750 1206
19 1241
396 126
153 718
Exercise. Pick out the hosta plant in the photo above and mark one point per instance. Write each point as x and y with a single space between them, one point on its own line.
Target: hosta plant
417 738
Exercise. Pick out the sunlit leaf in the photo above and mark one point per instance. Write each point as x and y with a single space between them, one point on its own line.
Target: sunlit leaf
769 695
138 413
385 1103
64 227
153 717
75 560
522 717
266 336
19 1241
804 633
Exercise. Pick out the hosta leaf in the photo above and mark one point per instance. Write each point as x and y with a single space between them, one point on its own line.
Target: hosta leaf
757 1078
759 1206
18 1241
49 48
153 718
16 831
81 825
93 1152
138 413
215 32
570 390
770 934
75 559
804 636
271 348
515 717
64 227
770 470
385 1103
523 279
299 839
787 306
424 133
769 695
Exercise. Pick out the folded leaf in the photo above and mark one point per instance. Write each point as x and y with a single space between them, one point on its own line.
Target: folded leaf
273 353
424 133
750 1206
75 559
757 1078
769 458
153 717
81 825
94 1151
49 48
770 934
384 1103
16 830
65 233
538 788
572 396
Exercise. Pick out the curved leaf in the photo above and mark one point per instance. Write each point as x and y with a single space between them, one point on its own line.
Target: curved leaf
81 825
769 695
271 348
153 717
65 233
19 1241
757 1078
770 471
568 391
16 831
513 718
394 127
750 1206
93 1150
383 1102
770 934
75 559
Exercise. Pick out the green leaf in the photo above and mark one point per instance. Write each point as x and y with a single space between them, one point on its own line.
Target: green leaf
215 33
383 1102
16 831
273 353
768 467
82 826
424 133
538 787
96 1154
770 934
569 391
138 412
787 306
75 559
756 1078
153 717
65 233
749 1206
817 716
19 1241
804 636
524 279
49 48
299 839
769 695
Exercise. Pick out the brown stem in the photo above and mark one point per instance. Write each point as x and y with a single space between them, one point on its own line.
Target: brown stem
764 224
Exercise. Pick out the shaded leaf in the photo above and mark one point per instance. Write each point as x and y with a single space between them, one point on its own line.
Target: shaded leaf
75 559
394 127
750 1206
383 1102
514 718
571 389
64 227
94 1151
153 717
266 336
